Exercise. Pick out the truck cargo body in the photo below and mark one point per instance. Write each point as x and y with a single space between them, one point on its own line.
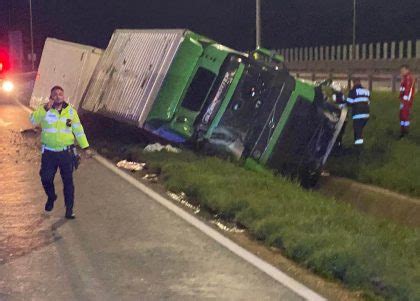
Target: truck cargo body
69 65
132 69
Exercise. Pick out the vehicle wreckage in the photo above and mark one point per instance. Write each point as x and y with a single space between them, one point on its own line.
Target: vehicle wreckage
189 89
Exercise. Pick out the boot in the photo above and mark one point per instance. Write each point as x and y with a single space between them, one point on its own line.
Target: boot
49 205
70 214
404 132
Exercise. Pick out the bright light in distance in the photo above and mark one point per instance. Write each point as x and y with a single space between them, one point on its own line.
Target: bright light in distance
8 86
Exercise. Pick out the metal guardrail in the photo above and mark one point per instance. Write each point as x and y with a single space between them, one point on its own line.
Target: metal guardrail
377 64
372 51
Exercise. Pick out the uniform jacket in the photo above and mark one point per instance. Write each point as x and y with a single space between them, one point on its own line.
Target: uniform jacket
407 90
59 129
359 100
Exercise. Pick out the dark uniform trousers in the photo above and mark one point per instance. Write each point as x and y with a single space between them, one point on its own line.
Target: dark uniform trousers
50 162
359 100
358 125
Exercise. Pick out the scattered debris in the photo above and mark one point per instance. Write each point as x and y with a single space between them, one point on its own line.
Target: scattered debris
151 177
157 147
226 228
182 198
133 166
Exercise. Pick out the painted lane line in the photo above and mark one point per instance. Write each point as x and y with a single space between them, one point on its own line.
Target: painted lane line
23 106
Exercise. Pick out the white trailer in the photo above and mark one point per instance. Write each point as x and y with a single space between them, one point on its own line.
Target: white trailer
69 65
130 73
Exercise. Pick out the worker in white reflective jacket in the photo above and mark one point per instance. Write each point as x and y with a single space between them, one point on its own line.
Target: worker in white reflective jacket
359 101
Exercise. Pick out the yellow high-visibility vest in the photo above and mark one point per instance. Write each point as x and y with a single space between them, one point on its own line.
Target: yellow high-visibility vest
56 134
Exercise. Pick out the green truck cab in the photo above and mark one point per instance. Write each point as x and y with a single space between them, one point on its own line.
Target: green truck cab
250 107
273 119
185 93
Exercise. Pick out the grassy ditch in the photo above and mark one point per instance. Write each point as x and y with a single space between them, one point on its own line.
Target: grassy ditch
328 237
385 160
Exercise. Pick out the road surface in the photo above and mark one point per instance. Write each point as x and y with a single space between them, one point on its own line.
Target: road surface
122 245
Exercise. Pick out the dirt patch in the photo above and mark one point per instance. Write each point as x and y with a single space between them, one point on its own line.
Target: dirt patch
373 200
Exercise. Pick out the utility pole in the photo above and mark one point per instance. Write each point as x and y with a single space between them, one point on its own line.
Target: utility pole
354 31
10 14
32 35
258 23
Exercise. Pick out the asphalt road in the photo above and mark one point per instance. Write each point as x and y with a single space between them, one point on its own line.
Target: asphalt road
122 245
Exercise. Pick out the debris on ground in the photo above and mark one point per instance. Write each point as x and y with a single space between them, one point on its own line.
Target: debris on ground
132 166
226 228
182 198
151 177
157 147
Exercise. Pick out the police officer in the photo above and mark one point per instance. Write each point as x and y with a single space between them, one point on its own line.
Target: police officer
359 101
60 125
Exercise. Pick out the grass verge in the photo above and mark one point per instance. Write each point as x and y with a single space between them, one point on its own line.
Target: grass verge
328 237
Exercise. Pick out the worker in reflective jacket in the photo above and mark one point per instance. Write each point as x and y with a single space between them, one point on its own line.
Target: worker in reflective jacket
407 91
60 125
359 101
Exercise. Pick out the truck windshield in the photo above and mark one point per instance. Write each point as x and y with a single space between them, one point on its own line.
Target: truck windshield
198 90
255 108
219 90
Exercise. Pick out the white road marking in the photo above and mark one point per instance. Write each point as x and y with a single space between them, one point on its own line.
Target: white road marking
23 106
254 260
262 265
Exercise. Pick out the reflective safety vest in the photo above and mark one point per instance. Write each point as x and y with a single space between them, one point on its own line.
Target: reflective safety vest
359 100
59 129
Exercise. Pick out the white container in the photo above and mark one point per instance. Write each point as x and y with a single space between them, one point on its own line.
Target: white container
65 64
130 73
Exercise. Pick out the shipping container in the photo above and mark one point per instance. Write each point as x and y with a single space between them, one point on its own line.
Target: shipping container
130 73
66 64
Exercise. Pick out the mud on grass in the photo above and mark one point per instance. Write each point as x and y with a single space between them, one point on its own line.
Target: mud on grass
330 238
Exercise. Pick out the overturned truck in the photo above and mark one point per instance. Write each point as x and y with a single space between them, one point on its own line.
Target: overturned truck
69 65
189 89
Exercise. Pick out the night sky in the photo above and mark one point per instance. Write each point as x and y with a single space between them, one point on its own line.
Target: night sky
286 23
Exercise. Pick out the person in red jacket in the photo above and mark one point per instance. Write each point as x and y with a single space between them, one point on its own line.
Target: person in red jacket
407 91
